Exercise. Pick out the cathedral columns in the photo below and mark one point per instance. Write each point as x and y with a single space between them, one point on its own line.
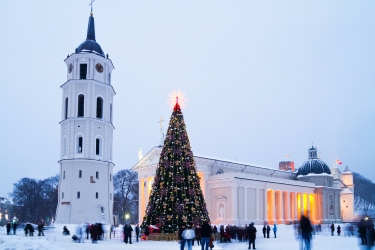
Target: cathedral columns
273 206
265 205
245 203
257 204
234 203
281 217
288 211
295 204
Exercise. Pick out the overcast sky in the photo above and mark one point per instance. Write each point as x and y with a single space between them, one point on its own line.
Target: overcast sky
264 79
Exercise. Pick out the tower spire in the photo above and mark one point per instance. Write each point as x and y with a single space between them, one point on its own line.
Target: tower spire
91 28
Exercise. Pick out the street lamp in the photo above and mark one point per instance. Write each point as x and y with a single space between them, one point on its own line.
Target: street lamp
126 217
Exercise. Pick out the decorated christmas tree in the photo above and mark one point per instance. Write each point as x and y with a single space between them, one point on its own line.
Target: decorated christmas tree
176 196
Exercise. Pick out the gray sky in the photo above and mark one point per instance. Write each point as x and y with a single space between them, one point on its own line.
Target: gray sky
264 79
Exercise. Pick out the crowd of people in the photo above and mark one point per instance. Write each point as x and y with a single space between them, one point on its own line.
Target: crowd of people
205 235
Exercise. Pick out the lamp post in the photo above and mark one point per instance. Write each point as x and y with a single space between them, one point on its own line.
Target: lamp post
126 217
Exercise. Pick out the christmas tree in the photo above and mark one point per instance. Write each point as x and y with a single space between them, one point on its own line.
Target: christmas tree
176 196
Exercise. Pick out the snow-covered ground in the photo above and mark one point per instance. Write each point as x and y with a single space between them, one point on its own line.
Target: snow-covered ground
285 240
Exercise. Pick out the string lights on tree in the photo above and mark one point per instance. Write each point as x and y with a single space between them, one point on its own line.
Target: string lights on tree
176 196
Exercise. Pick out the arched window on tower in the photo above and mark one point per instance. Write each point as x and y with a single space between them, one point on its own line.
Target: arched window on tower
99 107
98 146
80 145
81 105
66 108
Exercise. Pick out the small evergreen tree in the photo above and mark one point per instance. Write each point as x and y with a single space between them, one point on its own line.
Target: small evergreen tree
176 196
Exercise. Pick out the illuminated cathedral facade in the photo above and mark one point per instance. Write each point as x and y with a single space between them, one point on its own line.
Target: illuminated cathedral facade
240 193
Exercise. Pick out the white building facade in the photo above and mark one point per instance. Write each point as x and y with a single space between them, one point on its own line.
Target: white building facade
240 193
86 167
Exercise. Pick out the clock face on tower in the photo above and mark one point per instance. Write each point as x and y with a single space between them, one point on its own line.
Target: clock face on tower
70 68
99 67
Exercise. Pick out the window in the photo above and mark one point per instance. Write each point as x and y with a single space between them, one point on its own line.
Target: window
80 174
81 105
219 171
62 195
102 209
82 71
97 175
110 112
99 107
80 145
64 175
110 196
97 195
110 177
97 146
66 108
109 78
78 195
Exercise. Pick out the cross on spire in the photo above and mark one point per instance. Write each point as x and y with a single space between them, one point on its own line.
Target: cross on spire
91 4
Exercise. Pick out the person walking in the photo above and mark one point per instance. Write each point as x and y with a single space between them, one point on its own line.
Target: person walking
264 229
15 225
362 232
8 228
274 230
251 232
268 231
87 231
94 234
188 234
306 232
40 229
198 235
137 230
181 239
128 233
332 229
338 230
205 231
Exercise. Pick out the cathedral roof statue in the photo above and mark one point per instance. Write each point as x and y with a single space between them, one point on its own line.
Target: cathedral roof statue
313 165
90 44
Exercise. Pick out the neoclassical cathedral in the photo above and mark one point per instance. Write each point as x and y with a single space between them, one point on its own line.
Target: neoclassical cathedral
240 193
86 167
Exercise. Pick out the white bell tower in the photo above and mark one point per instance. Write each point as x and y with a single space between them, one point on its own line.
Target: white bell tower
86 167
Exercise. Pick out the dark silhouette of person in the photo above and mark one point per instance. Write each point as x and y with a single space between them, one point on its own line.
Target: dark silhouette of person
264 229
137 230
268 231
332 229
251 231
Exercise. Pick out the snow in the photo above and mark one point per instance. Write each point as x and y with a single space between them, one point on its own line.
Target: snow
54 239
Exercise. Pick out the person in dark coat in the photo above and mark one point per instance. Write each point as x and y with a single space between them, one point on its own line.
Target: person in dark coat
99 231
65 231
128 233
40 229
306 231
198 235
26 229
94 234
15 225
181 239
264 229
137 230
338 230
8 228
332 229
268 231
252 231
362 232
31 230
205 232
87 231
